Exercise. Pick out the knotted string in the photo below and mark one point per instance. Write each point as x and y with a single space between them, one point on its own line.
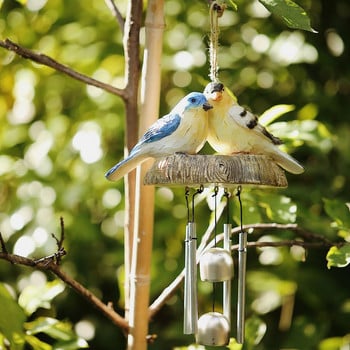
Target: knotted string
215 12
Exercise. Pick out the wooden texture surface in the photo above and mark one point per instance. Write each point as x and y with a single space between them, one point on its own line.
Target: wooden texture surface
194 170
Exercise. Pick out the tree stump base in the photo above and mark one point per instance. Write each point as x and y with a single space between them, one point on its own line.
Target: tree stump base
196 170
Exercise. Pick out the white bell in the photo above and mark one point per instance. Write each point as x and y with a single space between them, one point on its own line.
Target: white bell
216 265
213 329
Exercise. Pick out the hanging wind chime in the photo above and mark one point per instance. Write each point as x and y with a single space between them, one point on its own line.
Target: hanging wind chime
216 263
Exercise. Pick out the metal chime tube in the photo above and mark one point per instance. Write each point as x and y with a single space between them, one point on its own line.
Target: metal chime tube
227 284
242 261
190 290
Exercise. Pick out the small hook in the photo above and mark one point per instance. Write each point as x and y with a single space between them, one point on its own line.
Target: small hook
198 191
187 193
227 194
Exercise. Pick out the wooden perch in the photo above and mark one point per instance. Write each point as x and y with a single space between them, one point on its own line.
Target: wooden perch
194 170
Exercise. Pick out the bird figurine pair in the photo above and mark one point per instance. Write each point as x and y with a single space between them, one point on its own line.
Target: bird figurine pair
213 116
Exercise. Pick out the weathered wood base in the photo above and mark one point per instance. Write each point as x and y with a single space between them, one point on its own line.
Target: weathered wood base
195 170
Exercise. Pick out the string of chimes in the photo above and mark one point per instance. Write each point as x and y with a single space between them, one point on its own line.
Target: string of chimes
216 266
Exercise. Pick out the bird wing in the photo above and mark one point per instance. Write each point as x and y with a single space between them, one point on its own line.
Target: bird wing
248 120
163 127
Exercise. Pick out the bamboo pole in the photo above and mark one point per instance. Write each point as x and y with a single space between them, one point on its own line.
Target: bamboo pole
144 199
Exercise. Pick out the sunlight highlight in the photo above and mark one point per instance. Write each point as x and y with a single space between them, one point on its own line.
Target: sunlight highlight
88 142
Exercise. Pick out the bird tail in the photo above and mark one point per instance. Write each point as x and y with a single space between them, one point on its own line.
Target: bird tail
124 167
287 162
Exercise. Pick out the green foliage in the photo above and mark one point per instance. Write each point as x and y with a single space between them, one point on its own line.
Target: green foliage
58 137
291 13
339 257
340 213
34 297
255 330
17 332
11 320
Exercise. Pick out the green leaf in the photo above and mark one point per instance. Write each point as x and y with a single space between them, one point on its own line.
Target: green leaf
255 330
34 297
61 331
311 132
274 113
37 344
12 318
74 344
334 343
339 212
338 257
52 327
233 4
233 345
291 13
279 208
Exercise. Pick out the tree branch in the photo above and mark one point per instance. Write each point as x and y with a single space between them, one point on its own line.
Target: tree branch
317 241
116 13
50 263
50 62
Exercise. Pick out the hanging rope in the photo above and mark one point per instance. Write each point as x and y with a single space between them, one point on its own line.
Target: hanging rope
216 191
227 194
198 191
187 194
238 194
215 12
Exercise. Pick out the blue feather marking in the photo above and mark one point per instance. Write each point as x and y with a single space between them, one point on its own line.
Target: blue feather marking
163 127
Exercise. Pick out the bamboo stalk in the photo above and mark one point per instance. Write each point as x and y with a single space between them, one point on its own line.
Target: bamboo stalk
144 198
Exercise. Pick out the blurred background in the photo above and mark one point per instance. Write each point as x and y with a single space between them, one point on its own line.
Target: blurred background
58 137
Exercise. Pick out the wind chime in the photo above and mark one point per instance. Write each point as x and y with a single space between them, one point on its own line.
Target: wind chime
216 263
216 266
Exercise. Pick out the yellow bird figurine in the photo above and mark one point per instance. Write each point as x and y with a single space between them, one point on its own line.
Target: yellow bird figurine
233 129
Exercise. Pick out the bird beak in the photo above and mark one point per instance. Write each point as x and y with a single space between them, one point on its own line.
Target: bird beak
216 91
216 96
207 106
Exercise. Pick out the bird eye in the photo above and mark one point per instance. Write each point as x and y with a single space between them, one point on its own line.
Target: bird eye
193 100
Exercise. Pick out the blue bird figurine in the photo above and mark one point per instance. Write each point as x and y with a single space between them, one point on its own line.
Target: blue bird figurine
183 130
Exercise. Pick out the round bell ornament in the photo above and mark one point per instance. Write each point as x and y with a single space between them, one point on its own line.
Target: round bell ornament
216 265
213 329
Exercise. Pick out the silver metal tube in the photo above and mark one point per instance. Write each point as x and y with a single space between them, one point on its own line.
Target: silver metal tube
227 284
242 262
190 289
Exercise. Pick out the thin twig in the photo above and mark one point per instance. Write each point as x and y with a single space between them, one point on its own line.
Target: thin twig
291 243
2 243
50 62
116 13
